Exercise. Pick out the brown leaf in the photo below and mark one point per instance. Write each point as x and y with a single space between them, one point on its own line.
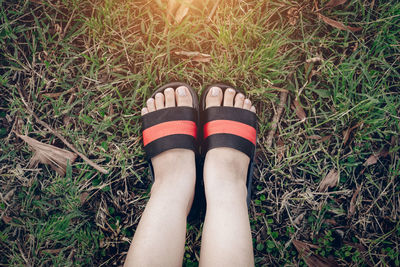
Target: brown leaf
195 56
51 251
280 150
310 258
56 157
339 25
314 60
374 158
299 111
313 137
324 138
181 13
7 219
293 16
335 3
9 195
330 180
277 115
83 197
330 221
371 160
182 10
299 218
57 95
353 201
346 133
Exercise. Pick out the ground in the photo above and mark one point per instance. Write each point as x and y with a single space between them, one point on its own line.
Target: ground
86 67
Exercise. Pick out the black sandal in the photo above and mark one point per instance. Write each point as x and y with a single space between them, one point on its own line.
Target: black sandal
174 127
229 127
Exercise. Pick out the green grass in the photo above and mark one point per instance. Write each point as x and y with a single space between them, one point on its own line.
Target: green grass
105 57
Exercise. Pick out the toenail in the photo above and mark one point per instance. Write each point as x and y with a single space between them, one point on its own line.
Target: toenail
158 95
230 90
214 91
150 100
181 91
247 101
169 90
241 96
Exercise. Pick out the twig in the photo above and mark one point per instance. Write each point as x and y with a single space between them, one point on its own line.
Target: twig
23 255
88 161
277 116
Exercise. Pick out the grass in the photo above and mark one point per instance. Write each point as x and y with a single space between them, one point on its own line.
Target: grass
105 57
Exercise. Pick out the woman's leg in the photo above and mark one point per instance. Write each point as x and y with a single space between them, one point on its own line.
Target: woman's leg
160 236
226 234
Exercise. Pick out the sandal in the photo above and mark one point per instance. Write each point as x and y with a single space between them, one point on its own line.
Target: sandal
228 127
173 127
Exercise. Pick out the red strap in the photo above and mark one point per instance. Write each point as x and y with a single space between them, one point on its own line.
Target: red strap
230 127
169 128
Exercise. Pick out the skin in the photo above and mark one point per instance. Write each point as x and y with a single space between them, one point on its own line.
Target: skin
160 236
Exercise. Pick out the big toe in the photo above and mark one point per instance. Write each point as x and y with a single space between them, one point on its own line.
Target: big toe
214 97
183 96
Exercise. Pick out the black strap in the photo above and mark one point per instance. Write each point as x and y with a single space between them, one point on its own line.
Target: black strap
172 141
168 114
229 140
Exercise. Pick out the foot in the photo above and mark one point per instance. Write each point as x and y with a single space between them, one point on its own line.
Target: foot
175 165
223 163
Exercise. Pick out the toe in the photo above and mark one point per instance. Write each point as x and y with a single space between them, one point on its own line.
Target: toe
247 104
151 105
253 109
229 95
159 101
239 99
183 96
214 97
169 97
144 111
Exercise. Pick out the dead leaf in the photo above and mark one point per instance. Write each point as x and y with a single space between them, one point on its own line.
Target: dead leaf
277 115
314 60
178 10
329 181
346 133
353 201
313 137
293 16
299 111
330 221
280 150
299 218
303 246
9 195
181 13
195 56
334 3
57 95
7 219
56 157
374 158
338 25
51 251
324 138
371 160
83 197
311 259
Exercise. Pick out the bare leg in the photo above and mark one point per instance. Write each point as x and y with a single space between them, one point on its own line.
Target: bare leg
226 233
160 236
